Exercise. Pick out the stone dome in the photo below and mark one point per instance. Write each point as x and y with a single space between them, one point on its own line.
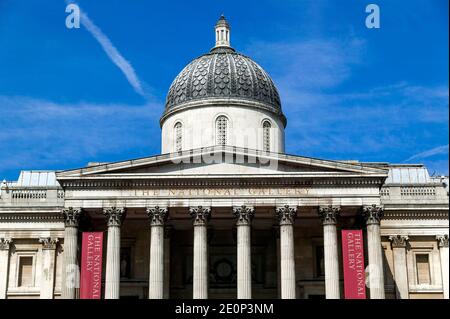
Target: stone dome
223 98
223 75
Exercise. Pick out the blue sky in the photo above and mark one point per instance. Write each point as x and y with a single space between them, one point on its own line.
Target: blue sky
71 96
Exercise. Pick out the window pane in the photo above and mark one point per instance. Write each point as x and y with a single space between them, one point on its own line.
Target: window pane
221 130
26 272
266 136
178 137
423 269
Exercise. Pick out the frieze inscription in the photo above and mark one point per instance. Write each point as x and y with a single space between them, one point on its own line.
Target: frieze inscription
220 192
211 192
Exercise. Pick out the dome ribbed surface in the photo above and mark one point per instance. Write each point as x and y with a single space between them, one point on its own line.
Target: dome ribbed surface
223 73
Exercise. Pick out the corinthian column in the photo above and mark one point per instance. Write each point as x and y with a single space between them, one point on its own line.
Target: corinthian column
244 216
201 217
443 250
399 245
114 217
329 215
158 217
286 217
71 271
373 215
48 266
5 244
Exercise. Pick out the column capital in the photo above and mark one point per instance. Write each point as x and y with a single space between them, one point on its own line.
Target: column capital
329 214
244 215
71 216
373 214
49 242
286 214
442 240
157 215
399 241
200 214
5 243
114 215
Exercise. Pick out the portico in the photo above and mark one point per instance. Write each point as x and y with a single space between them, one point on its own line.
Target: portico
205 206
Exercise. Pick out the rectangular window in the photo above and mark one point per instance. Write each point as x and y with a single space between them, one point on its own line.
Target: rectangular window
25 271
423 269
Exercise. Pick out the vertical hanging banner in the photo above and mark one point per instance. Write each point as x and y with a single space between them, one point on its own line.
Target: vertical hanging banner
353 259
91 265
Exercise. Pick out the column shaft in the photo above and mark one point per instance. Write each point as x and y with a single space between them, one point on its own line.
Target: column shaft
156 281
332 286
71 272
443 251
444 267
158 216
71 281
373 215
244 216
200 276
201 216
112 278
399 245
4 266
329 215
376 274
286 217
287 262
401 273
244 263
48 267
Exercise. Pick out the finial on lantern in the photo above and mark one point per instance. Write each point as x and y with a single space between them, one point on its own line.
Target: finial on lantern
222 32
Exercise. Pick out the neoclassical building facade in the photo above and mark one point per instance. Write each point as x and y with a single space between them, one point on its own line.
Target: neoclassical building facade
223 212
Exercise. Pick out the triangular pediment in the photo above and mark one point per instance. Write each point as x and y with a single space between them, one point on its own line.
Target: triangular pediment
224 161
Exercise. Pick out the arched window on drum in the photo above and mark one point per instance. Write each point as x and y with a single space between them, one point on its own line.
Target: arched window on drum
178 137
221 130
267 127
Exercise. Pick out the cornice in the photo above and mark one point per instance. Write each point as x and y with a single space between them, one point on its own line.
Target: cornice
225 181
414 214
37 217
215 102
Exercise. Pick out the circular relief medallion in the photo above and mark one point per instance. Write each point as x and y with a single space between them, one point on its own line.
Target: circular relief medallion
223 270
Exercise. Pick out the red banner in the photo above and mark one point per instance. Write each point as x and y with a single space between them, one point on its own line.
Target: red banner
353 259
91 266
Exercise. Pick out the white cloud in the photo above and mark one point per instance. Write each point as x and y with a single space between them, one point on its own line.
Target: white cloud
112 52
383 123
42 133
440 150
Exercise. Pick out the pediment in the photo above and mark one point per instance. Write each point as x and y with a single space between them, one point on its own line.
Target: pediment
224 161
